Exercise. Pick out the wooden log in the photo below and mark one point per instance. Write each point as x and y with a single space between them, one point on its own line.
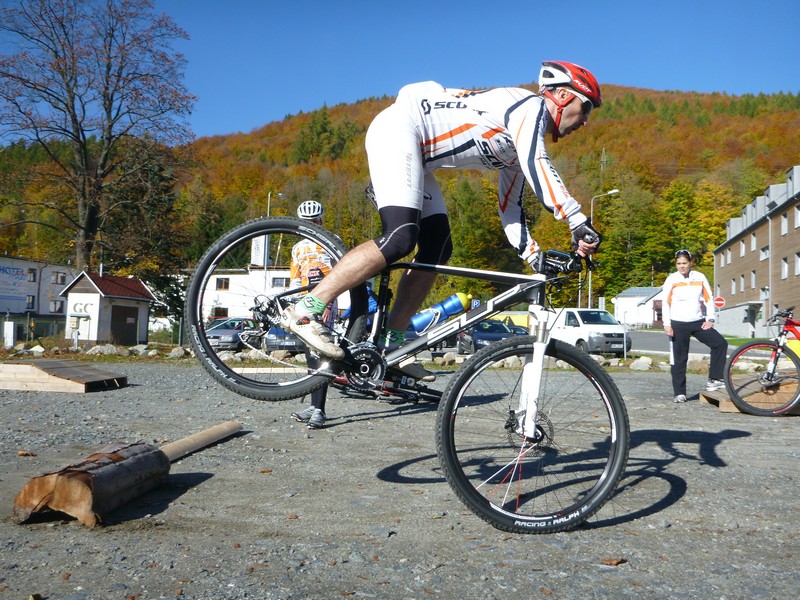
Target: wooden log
189 444
90 489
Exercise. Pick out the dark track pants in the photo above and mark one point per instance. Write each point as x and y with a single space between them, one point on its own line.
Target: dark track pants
679 351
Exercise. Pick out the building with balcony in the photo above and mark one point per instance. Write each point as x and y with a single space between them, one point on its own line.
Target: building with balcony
758 265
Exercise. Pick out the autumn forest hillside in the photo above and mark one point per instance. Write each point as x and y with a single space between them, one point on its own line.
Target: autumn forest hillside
684 164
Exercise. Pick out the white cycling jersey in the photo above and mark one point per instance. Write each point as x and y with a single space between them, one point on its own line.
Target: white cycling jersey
431 127
684 298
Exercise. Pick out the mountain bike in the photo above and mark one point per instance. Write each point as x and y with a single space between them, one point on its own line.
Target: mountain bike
762 377
532 435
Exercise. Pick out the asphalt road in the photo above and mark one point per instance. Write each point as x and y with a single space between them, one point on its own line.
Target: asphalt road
656 341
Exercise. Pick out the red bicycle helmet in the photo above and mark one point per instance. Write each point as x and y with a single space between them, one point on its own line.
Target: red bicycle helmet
556 73
583 85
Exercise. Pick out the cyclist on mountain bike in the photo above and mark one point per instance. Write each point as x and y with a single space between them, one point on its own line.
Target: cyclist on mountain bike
430 127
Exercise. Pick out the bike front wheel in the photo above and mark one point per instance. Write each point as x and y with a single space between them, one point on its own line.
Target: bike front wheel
245 277
518 484
761 384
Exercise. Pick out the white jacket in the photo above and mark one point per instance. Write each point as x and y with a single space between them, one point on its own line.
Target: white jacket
684 298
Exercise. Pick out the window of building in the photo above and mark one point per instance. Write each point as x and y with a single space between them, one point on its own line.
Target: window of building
797 263
784 223
741 248
784 268
728 255
58 277
741 283
764 254
223 283
280 282
797 216
57 306
219 312
719 290
30 302
31 274
753 243
752 280
733 287
721 259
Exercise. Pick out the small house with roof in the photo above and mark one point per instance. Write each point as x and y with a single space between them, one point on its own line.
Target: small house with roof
107 309
638 306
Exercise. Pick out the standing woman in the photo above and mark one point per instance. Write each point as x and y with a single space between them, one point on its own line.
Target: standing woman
686 293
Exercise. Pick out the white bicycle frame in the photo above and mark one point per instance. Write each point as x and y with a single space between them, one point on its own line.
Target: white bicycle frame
530 385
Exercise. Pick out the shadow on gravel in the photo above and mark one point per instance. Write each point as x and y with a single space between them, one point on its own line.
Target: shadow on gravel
159 499
655 455
644 466
391 411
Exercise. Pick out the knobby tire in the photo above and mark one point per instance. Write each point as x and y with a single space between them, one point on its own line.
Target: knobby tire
550 486
256 372
750 390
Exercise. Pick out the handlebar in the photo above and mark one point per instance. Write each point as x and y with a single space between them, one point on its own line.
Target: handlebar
784 313
556 263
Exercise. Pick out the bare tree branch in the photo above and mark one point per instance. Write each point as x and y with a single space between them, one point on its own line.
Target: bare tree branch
88 75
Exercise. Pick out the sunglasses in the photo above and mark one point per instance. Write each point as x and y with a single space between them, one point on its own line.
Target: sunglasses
587 108
685 253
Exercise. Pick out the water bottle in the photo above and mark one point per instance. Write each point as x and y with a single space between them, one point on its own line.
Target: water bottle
455 304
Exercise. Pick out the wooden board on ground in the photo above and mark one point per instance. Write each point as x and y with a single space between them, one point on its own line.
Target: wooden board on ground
56 375
719 398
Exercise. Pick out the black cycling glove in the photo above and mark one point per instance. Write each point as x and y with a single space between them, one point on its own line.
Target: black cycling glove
587 233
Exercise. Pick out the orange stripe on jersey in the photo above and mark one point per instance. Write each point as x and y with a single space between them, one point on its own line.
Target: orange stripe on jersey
543 177
684 284
492 132
450 134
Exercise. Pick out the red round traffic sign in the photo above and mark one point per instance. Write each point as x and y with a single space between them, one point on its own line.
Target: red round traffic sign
719 301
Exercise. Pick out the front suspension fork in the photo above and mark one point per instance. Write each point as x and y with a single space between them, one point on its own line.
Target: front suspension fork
532 371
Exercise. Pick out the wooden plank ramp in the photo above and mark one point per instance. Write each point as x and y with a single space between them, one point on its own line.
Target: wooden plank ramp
721 399
57 375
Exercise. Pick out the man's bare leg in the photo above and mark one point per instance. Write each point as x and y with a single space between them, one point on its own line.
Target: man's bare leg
358 265
361 263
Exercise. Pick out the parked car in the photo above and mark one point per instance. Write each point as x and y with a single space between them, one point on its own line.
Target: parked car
481 335
590 330
224 334
519 330
278 338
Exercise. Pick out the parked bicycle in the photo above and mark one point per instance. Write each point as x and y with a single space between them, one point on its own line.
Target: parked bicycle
532 435
762 377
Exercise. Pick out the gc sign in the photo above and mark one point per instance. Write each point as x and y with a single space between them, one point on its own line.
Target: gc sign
82 307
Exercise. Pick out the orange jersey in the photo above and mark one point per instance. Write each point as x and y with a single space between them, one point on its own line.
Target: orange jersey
310 263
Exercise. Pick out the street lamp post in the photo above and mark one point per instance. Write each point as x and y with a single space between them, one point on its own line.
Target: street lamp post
591 218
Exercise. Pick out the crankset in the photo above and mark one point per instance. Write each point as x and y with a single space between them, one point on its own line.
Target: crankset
367 368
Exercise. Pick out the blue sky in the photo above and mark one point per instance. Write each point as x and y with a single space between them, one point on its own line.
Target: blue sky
256 61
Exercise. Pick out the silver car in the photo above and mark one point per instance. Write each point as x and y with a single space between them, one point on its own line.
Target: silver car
225 334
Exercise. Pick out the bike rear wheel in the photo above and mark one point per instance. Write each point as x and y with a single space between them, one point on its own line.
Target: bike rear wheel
751 387
515 484
231 278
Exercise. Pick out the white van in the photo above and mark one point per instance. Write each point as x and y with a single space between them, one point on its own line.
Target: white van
590 330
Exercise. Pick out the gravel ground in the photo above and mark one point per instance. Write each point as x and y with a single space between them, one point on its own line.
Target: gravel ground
360 508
